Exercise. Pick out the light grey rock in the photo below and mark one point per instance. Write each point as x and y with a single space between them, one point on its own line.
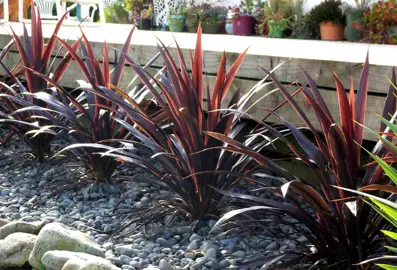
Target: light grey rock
239 254
190 255
81 264
165 265
55 236
15 249
62 259
20 226
199 263
125 259
108 246
224 263
193 245
211 253
207 244
124 250
195 237
184 229
163 242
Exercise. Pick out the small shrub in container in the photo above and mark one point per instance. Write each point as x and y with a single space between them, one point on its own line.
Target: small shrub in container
379 23
354 15
211 18
176 20
277 24
330 18
192 20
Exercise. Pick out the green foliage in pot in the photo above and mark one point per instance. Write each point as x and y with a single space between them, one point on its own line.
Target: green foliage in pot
378 23
192 20
176 19
327 11
277 24
211 14
300 28
289 8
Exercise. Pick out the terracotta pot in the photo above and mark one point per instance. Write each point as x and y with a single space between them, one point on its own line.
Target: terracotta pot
331 31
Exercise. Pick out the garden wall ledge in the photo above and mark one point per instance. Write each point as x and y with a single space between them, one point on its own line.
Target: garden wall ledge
319 58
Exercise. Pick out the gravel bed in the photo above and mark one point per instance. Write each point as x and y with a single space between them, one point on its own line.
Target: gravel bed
26 196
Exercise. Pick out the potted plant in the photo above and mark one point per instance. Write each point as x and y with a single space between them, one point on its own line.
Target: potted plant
176 19
379 23
354 15
242 21
210 18
146 18
300 28
330 18
192 20
277 24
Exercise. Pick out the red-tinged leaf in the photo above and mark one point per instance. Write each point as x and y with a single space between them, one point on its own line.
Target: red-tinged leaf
78 61
217 92
37 39
197 74
24 58
352 99
323 119
6 49
390 104
64 64
233 72
241 149
346 118
383 188
190 95
341 159
66 93
142 74
118 71
361 105
310 195
317 95
51 43
281 104
28 45
106 69
300 112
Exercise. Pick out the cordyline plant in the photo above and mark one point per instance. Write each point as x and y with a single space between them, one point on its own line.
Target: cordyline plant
340 238
385 205
89 119
185 168
36 57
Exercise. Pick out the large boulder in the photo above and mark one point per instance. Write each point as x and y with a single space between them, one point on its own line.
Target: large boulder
61 259
15 249
20 226
55 236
